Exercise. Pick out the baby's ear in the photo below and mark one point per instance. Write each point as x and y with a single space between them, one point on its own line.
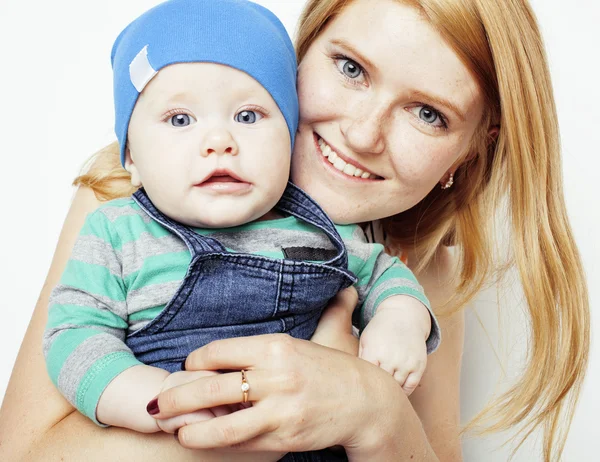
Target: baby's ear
136 181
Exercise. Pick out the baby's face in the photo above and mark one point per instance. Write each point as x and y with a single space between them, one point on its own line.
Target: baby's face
209 145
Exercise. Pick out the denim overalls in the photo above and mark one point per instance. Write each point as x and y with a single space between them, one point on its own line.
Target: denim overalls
227 294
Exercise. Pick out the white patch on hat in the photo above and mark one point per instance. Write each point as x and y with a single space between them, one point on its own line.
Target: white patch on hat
140 70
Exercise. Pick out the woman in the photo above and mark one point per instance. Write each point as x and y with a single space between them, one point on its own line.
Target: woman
409 92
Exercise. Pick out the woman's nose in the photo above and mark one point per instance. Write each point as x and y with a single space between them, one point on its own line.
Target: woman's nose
218 141
363 130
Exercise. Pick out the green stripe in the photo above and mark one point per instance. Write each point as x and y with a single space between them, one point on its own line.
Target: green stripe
63 345
94 279
97 225
134 226
158 269
83 316
119 203
363 269
346 231
97 379
147 314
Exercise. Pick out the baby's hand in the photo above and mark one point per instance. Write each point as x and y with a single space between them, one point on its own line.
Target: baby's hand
175 423
395 340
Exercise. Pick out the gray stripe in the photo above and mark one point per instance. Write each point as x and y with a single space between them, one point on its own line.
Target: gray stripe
369 307
67 295
359 235
359 249
113 213
137 325
382 264
135 252
151 296
92 250
275 239
82 358
50 335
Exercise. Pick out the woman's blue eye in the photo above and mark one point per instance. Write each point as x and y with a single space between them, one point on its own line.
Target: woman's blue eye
247 117
429 115
181 120
351 69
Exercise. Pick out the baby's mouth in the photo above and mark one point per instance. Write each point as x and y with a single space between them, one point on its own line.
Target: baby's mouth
222 180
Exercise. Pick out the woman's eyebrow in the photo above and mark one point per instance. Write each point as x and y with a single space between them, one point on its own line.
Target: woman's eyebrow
359 56
438 100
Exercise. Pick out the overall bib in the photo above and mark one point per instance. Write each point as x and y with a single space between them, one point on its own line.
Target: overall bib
226 294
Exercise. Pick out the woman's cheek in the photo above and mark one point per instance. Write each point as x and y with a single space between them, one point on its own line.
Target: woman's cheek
319 98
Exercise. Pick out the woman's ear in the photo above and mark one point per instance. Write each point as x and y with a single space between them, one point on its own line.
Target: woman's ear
136 181
493 133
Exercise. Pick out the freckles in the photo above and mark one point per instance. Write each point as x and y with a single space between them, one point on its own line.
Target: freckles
317 95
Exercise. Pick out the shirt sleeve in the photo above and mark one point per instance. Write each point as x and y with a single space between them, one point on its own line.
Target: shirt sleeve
87 319
382 276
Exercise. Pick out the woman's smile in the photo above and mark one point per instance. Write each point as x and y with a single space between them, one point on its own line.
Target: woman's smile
351 169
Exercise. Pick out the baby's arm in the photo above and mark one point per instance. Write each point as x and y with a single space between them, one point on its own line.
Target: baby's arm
395 339
86 356
398 326
124 401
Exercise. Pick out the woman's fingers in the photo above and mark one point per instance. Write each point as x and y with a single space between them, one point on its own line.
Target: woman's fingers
232 353
208 392
226 431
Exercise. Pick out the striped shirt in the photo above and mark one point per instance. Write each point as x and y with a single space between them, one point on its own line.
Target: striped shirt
125 267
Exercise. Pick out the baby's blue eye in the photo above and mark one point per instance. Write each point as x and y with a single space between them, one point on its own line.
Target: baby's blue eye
181 120
247 117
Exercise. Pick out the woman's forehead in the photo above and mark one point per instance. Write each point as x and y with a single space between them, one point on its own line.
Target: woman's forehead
398 46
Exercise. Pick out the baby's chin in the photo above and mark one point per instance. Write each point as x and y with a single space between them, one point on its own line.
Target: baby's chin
217 221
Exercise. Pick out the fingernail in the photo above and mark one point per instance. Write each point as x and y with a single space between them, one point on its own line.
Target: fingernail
152 407
183 365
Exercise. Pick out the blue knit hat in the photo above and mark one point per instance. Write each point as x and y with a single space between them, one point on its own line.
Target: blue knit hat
236 33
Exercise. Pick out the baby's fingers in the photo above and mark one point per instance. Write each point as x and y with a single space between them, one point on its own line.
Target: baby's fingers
174 423
368 355
409 382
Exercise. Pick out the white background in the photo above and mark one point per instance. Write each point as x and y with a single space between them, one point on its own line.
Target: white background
56 110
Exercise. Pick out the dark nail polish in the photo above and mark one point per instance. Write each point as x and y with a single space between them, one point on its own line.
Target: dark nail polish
152 407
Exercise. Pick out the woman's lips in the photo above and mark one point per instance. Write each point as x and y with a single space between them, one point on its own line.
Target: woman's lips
348 170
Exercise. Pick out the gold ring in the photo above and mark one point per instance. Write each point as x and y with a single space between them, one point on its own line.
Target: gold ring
245 387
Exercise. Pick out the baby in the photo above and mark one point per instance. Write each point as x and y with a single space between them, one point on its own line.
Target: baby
216 243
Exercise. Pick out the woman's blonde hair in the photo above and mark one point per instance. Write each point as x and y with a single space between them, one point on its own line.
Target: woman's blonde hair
500 43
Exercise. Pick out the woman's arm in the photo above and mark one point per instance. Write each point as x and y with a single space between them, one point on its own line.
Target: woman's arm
437 398
37 423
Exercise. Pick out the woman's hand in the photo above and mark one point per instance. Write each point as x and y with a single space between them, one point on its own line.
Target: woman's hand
175 423
305 397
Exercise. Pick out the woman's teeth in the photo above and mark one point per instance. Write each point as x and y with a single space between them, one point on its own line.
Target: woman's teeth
342 165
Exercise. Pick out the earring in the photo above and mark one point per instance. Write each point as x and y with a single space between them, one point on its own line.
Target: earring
449 183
